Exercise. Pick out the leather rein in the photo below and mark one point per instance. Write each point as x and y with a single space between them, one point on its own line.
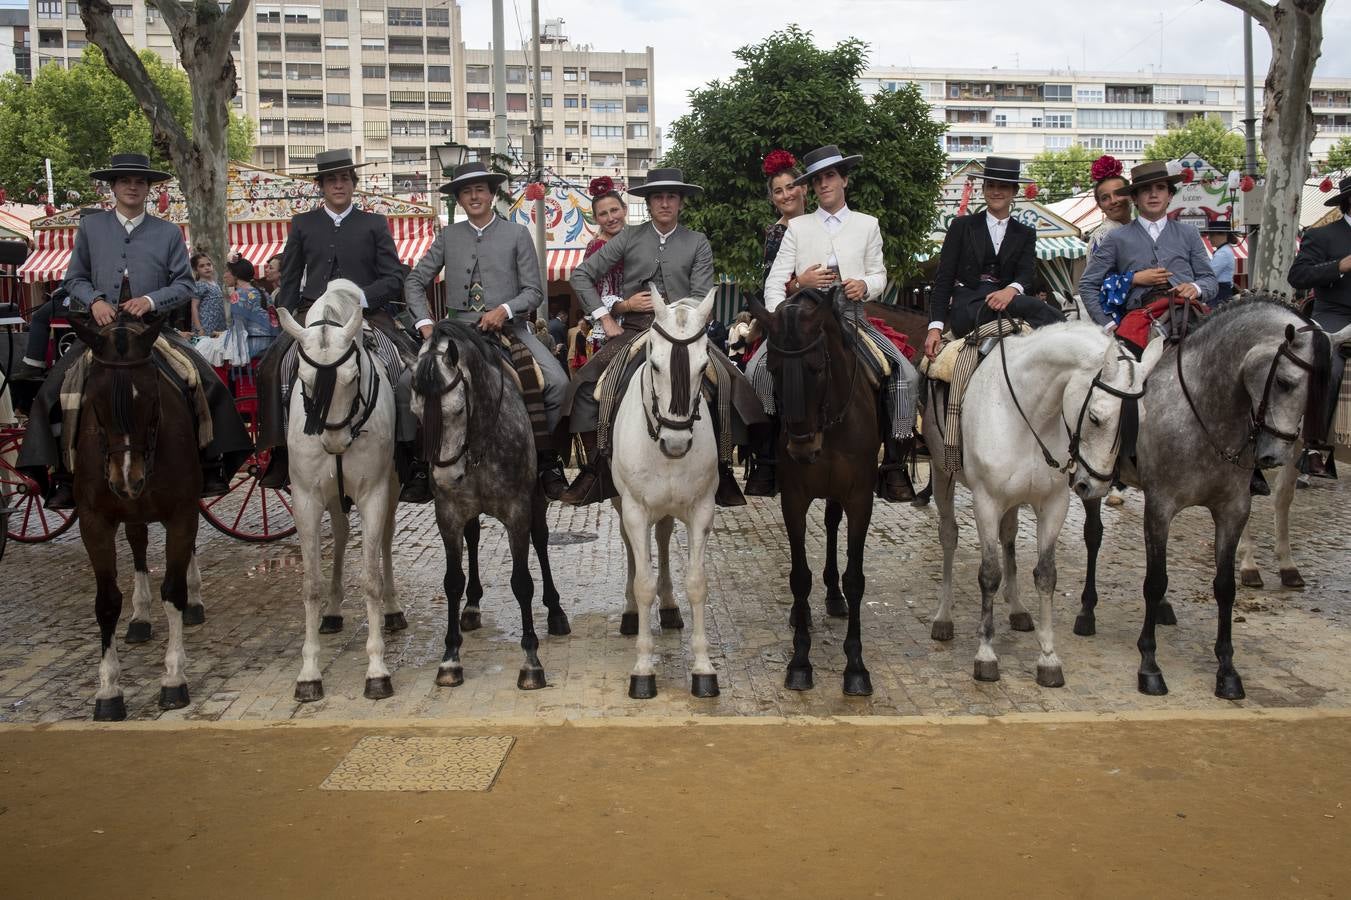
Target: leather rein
653 416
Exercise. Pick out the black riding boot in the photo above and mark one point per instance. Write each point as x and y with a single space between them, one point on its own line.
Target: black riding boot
277 475
728 494
1257 485
61 493
893 481
213 481
417 487
551 478
761 480
593 483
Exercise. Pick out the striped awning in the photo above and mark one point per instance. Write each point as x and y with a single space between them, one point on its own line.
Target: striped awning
1061 248
561 262
258 241
51 255
412 237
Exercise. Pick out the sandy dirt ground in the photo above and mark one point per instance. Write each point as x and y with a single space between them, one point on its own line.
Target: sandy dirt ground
1241 804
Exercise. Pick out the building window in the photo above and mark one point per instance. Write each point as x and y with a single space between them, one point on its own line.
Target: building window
121 11
304 72
271 126
407 100
405 16
372 43
439 100
546 102
410 182
50 40
405 73
438 45
635 104
606 106
378 131
268 99
338 99
376 101
478 102
607 79
303 153
339 127
338 72
479 129
439 128
407 127
269 70
636 129
516 103
1001 120
76 41
303 43
405 45
1060 121
515 74
438 73
304 126
635 78
569 74
1089 95
336 15
609 132
302 15
372 71
477 75
51 9
268 14
1058 93
438 17
151 14
1167 93
269 43
572 101
407 155
1058 142
294 100
571 129
372 17
336 43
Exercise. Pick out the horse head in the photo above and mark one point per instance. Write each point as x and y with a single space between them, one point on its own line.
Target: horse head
1104 412
329 362
799 334
1286 377
441 401
122 392
677 355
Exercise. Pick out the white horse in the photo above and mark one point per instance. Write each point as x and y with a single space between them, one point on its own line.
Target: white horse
665 468
341 443
1061 383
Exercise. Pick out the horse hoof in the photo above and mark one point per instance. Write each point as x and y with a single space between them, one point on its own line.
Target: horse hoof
194 614
1250 578
642 687
1085 625
1229 686
395 621
110 709
471 620
1050 676
799 679
1166 615
1290 578
531 678
309 691
669 617
450 676
986 670
1021 621
941 631
628 623
173 697
1152 683
857 684
330 624
704 686
379 688
558 624
836 607
137 632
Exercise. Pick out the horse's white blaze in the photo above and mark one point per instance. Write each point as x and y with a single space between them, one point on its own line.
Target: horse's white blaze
140 597
126 471
175 658
110 674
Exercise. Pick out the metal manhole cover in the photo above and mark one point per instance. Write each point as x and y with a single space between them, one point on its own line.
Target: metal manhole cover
561 538
379 763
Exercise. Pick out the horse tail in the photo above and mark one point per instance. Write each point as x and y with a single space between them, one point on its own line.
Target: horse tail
1320 384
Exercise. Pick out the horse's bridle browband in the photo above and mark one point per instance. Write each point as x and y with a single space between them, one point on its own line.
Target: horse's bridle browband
686 417
364 409
1258 422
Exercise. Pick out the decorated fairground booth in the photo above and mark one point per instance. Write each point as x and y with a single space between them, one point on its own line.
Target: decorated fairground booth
568 227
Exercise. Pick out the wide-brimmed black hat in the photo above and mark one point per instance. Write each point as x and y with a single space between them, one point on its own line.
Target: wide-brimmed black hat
327 162
470 172
1343 188
1002 168
662 180
130 164
1148 173
1218 226
827 157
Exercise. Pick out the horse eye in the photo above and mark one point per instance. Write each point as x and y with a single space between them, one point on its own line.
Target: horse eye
1097 423
1285 384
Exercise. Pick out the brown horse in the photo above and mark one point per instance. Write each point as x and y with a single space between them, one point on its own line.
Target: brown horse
136 463
827 450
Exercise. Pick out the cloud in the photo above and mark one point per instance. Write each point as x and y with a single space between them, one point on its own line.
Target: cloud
694 40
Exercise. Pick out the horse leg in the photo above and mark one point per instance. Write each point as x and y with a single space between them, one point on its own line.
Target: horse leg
375 519
1283 496
195 613
1019 618
945 487
799 674
180 533
1050 519
472 617
523 587
668 614
628 621
1086 624
138 629
395 620
835 605
539 536
99 536
988 522
1157 522
454 535
1229 523
309 514
703 677
634 520
857 683
331 621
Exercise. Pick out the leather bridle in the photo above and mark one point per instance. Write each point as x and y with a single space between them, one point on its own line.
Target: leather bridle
684 419
146 448
362 407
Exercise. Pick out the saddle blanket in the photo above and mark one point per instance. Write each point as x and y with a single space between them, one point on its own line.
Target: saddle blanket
1341 424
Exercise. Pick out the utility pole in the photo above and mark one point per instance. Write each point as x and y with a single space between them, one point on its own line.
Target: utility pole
537 129
1250 133
499 80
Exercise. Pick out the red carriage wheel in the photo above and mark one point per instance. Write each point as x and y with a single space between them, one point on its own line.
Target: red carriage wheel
250 511
29 521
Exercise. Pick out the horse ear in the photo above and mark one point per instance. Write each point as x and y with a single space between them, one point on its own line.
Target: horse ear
1111 362
154 325
289 324
1289 334
353 327
83 325
1153 353
758 309
705 308
658 302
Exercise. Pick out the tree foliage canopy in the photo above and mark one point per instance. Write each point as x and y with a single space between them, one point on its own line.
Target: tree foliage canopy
1060 173
1208 138
790 94
80 116
1339 156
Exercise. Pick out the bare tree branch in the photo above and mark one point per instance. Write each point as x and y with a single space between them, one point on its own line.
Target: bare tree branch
1264 13
173 13
233 15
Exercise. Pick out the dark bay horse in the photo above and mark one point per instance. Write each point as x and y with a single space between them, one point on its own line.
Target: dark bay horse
136 463
827 450
481 450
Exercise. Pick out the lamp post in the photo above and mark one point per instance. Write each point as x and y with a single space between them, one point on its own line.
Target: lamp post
451 156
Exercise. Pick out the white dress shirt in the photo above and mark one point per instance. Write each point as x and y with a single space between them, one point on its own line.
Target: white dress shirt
337 218
833 222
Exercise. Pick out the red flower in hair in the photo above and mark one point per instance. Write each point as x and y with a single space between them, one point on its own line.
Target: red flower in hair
1105 167
778 161
601 185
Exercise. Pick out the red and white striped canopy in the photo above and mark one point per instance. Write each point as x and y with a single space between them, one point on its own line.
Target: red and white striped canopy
562 262
51 255
412 238
258 241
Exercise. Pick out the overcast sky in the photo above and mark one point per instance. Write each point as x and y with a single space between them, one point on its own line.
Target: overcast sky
694 39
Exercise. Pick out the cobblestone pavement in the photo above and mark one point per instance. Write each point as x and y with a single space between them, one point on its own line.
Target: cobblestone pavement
1290 645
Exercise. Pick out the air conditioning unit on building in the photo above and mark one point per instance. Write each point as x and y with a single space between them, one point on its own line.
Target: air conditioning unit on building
1249 212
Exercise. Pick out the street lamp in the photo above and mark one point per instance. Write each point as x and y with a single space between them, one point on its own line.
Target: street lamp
451 156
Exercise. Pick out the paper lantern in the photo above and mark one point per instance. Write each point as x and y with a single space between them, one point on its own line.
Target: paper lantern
534 191
1325 186
162 204
1030 191
3 195
1188 175
1246 183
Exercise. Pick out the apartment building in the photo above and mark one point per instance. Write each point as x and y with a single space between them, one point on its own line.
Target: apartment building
391 82
1023 113
15 53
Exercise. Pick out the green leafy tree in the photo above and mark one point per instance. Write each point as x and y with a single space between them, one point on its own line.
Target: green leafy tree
1339 156
1208 138
1060 173
790 94
79 116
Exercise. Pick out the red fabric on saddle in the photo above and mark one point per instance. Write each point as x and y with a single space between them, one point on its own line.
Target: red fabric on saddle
1135 326
896 337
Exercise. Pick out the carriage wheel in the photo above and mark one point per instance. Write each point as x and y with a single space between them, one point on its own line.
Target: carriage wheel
29 521
251 512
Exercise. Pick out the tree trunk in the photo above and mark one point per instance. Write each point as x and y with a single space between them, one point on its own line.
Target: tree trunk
203 35
1295 28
